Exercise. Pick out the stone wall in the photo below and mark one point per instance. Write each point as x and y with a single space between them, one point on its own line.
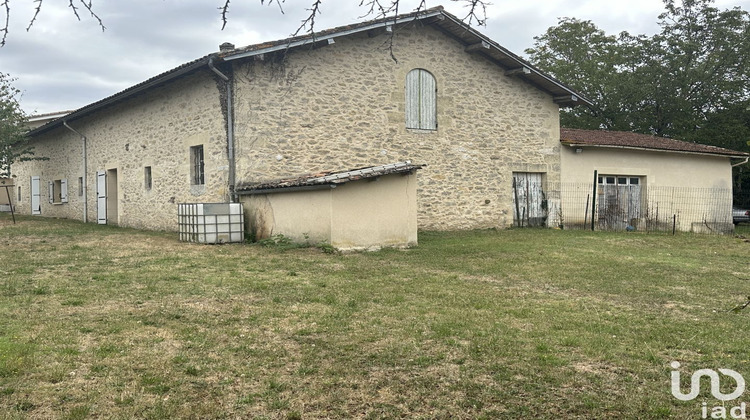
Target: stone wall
155 129
336 107
342 106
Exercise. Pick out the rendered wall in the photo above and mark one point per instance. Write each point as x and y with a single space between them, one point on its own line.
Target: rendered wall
383 212
357 215
342 106
699 185
154 129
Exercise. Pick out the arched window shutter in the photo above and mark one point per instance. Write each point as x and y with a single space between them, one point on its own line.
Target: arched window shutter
421 100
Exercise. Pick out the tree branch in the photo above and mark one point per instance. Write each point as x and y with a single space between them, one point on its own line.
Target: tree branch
477 11
37 9
6 5
310 20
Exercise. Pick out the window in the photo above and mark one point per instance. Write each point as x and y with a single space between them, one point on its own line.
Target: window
80 186
196 166
147 178
620 180
58 191
421 100
19 194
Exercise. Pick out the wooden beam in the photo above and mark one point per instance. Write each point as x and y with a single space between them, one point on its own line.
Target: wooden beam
479 46
323 43
566 98
520 70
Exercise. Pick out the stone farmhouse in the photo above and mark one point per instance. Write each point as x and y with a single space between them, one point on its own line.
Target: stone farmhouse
366 101
469 112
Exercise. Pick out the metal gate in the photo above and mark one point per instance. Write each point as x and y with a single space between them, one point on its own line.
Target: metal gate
619 202
529 200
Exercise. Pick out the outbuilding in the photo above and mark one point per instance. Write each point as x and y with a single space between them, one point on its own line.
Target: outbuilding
645 182
364 208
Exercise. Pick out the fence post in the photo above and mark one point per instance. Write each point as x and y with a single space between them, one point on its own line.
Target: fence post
593 201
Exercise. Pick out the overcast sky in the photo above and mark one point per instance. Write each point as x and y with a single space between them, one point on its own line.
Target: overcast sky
63 64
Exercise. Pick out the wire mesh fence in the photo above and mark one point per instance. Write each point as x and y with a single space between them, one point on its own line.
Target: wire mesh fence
625 205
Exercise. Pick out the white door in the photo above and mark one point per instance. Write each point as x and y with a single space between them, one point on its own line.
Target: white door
36 203
101 197
529 203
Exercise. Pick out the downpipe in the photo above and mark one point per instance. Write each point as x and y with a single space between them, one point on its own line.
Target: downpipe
230 129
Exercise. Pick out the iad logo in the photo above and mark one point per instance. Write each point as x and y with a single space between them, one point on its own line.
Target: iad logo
718 412
695 384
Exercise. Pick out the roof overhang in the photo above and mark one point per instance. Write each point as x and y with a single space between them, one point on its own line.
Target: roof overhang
473 41
328 180
649 149
123 95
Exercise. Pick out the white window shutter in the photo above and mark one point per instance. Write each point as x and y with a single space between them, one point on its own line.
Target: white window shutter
64 190
51 187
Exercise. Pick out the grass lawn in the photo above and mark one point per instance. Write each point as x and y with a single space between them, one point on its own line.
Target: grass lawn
103 322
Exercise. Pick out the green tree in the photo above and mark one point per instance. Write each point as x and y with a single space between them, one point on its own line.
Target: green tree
590 61
690 81
13 142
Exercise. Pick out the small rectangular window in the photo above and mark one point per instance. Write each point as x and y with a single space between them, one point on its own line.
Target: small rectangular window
610 180
147 178
19 194
197 166
633 181
80 186
58 191
622 181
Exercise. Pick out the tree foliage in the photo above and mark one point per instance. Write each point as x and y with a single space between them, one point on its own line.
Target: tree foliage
13 142
690 81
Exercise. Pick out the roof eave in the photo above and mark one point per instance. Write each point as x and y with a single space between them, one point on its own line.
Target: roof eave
120 96
653 149
565 97
570 98
316 39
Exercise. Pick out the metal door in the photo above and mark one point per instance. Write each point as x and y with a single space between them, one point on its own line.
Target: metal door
36 202
101 197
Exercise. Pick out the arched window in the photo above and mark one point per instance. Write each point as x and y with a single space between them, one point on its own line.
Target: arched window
421 100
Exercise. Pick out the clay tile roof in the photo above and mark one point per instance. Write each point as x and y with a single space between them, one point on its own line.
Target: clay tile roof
328 178
624 139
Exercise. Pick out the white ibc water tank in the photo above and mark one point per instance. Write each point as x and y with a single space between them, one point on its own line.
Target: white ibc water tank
211 223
